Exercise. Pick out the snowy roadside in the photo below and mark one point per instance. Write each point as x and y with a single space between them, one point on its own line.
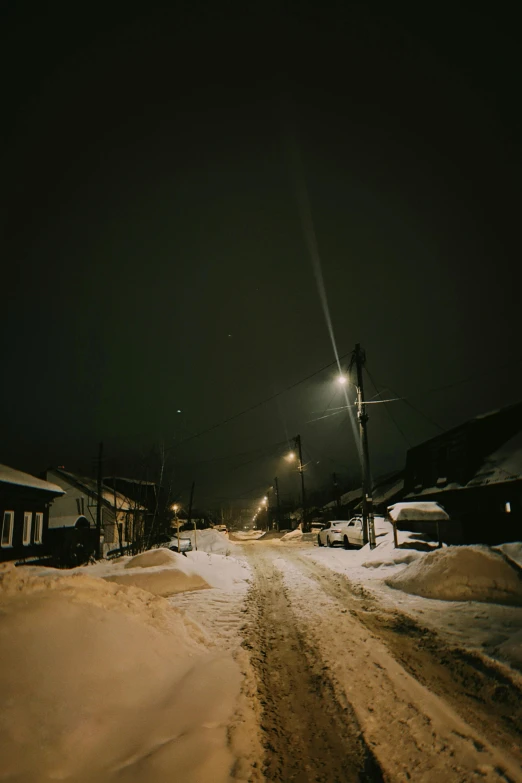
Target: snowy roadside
139 663
415 730
494 629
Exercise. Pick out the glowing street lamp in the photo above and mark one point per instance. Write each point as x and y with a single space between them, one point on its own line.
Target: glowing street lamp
290 457
342 380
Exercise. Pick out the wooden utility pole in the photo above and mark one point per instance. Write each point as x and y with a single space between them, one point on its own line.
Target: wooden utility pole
99 502
336 494
278 501
190 515
301 471
359 358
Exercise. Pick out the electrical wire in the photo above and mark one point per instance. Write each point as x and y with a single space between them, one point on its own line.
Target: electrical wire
392 417
258 404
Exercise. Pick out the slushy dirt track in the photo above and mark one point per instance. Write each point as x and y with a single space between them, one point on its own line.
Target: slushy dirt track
351 691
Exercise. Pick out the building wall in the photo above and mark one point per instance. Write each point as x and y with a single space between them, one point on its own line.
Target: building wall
79 501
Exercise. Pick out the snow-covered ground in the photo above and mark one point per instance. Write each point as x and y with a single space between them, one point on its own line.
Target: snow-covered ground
161 667
102 679
469 595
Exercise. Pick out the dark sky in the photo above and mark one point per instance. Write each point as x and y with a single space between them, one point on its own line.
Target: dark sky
153 258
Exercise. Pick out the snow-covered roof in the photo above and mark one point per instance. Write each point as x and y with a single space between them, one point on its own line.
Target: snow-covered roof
349 497
420 511
18 478
505 464
90 486
382 494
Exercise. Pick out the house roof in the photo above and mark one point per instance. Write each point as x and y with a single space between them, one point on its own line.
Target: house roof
18 478
504 464
90 487
383 493
499 467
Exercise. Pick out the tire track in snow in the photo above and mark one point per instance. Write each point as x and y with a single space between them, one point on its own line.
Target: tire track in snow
308 736
485 694
414 733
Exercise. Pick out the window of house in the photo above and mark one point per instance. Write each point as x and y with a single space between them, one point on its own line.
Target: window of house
507 507
38 527
7 528
28 523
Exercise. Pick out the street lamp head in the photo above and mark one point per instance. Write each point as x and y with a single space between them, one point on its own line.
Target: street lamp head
175 507
342 380
290 456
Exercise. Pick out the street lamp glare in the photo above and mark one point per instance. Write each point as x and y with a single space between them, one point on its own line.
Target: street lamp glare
342 379
290 456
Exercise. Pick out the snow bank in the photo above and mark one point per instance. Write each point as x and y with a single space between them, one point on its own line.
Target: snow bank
385 554
168 572
464 573
108 684
154 557
163 581
513 551
219 570
248 535
165 573
293 535
210 541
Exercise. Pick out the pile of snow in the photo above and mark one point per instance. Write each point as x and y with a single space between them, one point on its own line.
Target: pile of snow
385 554
209 541
293 535
464 573
248 535
154 557
106 683
219 571
163 572
513 551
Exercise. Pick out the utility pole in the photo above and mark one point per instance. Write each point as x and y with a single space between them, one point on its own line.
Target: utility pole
278 501
301 471
99 502
190 515
359 358
336 494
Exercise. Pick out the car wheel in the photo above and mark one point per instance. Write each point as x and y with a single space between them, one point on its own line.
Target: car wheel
319 542
330 543
346 543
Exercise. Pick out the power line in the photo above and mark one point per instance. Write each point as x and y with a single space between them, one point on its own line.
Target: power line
392 417
412 406
259 404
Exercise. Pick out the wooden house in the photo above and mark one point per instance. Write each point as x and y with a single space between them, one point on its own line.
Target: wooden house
25 502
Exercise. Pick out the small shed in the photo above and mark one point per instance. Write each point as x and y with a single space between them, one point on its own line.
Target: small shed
426 518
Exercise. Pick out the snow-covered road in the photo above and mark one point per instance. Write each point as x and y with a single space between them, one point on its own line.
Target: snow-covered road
353 689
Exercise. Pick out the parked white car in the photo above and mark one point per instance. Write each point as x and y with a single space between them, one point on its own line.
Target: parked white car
347 533
334 533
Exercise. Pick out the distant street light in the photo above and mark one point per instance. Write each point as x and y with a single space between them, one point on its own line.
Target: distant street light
290 456
342 379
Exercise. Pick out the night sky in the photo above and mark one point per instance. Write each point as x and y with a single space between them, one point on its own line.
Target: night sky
153 256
